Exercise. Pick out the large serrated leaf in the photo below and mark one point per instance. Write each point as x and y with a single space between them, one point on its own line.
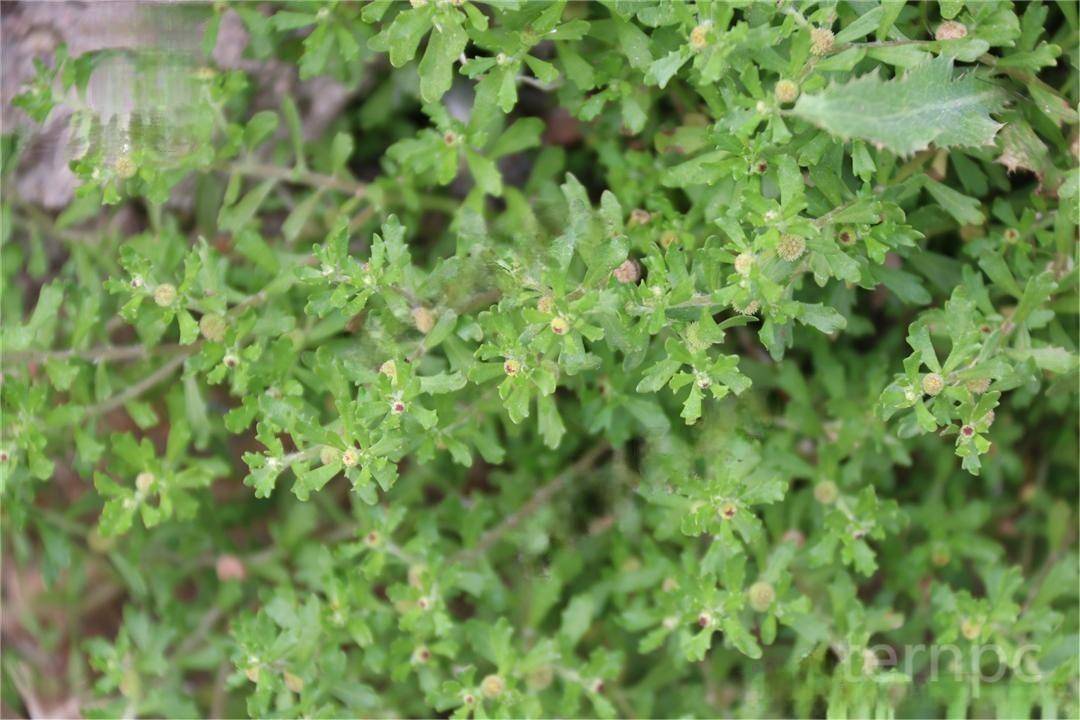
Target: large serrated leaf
928 104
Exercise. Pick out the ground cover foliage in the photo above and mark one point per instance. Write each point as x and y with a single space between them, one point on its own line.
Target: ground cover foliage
638 359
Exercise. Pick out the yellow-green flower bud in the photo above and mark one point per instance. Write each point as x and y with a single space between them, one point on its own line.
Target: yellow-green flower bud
423 319
786 91
761 596
821 41
932 383
213 327
492 686
790 247
743 263
165 294
143 481
826 492
124 167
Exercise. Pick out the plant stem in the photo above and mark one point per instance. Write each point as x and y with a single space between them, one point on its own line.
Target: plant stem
303 177
95 354
165 371
147 383
538 500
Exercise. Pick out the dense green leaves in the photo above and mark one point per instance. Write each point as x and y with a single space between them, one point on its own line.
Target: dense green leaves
535 359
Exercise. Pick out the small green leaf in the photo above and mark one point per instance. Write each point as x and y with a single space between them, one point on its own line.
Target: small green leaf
446 44
551 425
822 317
232 219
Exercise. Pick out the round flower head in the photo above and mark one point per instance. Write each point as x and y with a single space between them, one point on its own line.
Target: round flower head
545 304
786 91
124 167
329 455
699 36
559 325
628 272
940 555
790 247
821 41
727 510
761 596
423 319
540 678
950 30
639 216
230 568
511 367
165 294
143 481
978 385
932 383
743 263
970 628
826 492
350 457
795 537
213 327
492 686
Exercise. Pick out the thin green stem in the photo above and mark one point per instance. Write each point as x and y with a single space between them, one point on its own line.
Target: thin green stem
539 499
132 392
302 177
102 353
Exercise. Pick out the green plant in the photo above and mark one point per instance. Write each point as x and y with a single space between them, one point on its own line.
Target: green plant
675 360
